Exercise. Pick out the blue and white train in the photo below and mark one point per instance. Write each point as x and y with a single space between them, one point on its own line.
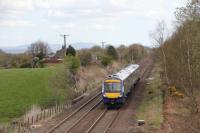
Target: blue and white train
116 87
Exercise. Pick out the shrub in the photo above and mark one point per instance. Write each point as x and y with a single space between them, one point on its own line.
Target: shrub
71 51
85 58
73 63
105 60
111 51
64 80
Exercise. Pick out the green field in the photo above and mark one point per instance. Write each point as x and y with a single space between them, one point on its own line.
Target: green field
20 88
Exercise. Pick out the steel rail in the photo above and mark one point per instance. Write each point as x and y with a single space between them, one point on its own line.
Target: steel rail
72 114
97 120
83 116
112 121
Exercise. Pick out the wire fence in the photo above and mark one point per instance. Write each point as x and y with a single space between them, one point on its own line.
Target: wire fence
48 108
30 122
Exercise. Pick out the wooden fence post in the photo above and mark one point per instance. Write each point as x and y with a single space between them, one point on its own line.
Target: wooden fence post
28 122
37 118
40 116
44 115
48 113
32 119
19 124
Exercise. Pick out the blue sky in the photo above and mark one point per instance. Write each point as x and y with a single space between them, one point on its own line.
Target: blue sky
113 21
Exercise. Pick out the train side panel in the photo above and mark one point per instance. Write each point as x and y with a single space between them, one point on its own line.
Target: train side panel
131 81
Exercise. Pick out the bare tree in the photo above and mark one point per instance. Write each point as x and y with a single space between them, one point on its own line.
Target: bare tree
39 49
158 36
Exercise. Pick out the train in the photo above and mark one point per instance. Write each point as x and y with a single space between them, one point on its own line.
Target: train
116 87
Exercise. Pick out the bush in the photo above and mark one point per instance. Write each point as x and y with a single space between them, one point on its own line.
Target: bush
111 51
85 58
73 63
64 80
63 83
15 60
106 60
71 51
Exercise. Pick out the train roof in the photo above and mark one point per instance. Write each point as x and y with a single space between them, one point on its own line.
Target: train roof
124 73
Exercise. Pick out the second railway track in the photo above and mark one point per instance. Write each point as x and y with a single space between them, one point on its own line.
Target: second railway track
92 117
69 121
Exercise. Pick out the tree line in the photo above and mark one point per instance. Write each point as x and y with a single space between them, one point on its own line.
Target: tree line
67 77
180 52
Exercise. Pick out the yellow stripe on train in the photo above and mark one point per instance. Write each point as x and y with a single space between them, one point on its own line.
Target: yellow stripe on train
112 81
112 95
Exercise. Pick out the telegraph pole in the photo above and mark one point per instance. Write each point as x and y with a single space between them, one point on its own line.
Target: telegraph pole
103 44
65 45
64 36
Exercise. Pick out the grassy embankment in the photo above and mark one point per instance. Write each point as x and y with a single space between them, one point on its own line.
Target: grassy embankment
150 108
21 88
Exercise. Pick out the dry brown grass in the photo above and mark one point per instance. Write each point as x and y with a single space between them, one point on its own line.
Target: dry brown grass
91 77
178 117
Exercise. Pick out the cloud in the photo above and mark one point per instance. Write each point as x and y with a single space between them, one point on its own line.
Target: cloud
16 23
86 8
84 17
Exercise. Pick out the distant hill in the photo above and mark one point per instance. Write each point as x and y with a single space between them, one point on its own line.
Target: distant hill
53 47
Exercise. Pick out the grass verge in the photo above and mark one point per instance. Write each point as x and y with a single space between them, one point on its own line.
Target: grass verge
150 108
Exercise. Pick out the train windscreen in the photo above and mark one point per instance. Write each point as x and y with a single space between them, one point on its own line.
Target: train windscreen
112 86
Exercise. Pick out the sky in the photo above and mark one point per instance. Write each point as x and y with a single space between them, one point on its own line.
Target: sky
113 21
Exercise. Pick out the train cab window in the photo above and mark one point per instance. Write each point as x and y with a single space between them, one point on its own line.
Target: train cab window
112 87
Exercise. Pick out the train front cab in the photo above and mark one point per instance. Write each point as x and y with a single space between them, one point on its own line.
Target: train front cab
113 92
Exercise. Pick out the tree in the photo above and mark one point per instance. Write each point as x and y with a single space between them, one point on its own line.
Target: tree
105 60
189 13
111 51
71 51
65 77
159 36
73 64
39 49
85 58
96 48
181 53
122 51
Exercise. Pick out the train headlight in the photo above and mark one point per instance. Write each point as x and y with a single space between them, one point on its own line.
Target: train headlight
120 95
104 95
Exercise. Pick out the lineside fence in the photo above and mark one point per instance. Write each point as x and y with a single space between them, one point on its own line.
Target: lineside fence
31 121
27 123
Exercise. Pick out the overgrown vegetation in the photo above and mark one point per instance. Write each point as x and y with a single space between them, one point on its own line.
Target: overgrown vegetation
132 53
106 60
181 50
180 54
111 51
150 109
15 60
85 57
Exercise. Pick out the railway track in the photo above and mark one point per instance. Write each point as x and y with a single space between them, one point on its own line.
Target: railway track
103 122
68 122
104 119
92 117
